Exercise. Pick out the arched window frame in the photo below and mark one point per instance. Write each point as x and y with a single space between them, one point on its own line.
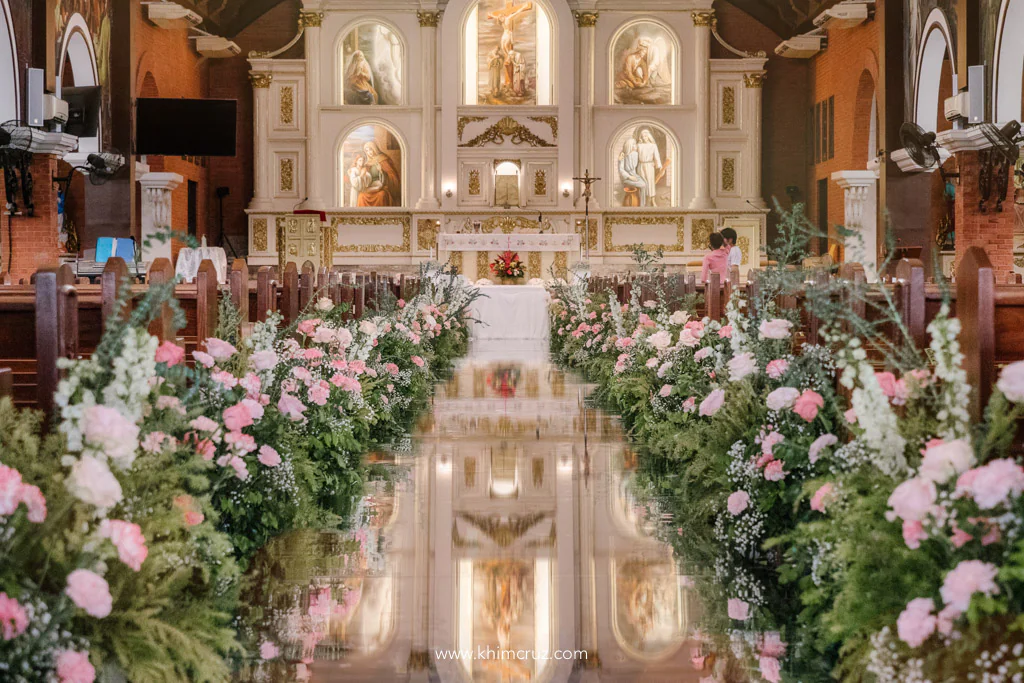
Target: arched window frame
9 64
339 163
1008 63
464 64
614 147
339 59
929 71
676 57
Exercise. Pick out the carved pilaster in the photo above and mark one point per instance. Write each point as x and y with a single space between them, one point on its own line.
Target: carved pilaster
703 18
311 19
755 80
586 19
428 19
260 80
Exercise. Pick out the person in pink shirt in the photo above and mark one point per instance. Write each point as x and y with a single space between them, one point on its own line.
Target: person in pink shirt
716 260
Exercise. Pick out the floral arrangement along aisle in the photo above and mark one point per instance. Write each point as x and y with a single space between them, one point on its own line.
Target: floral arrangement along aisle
508 266
843 516
125 529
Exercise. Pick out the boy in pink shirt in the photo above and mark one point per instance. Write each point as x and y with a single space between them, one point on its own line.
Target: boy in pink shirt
716 260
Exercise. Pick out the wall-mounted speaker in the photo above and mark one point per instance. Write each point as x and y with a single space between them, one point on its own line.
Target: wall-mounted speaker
34 98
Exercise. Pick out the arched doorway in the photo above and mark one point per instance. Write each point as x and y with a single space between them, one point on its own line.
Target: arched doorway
10 107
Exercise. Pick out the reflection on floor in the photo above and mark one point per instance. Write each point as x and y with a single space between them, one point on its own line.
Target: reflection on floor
510 525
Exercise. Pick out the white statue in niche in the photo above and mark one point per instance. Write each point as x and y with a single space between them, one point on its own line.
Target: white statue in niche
650 164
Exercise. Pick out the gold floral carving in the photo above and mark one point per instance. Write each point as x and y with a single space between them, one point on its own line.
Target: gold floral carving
287 105
455 259
507 127
428 19
426 233
474 182
729 174
482 264
703 19
259 234
586 19
533 265
728 106
287 175
612 220
499 161
404 221
507 224
540 182
744 244
561 264
701 233
465 121
260 80
311 19
581 230
552 122
755 80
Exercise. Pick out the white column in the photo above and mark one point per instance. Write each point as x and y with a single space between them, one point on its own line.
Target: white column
261 196
753 192
702 57
587 21
428 137
314 195
156 212
861 193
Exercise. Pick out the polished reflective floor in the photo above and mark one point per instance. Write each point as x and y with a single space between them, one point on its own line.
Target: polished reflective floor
507 542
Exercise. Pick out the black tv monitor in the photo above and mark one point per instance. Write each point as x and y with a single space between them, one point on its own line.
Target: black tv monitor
179 127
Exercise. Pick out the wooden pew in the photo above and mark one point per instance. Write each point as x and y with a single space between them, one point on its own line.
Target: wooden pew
238 282
290 294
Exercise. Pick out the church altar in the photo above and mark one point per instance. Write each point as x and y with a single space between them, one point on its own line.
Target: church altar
542 253
517 312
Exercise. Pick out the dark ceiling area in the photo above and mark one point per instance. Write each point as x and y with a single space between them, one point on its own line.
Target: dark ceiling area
230 17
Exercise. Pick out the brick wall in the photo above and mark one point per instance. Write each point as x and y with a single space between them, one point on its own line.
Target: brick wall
33 240
993 230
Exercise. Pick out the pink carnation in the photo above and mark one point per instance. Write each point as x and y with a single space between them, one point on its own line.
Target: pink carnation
220 349
770 668
773 471
204 359
777 368
13 618
170 353
913 499
204 424
269 650
10 490
777 328
822 442
74 667
887 382
712 404
269 457
319 393
35 503
725 332
969 577
808 404
850 416
822 496
993 484
128 539
737 502
738 609
666 390
916 623
263 360
417 361
291 407
913 534
89 591
237 417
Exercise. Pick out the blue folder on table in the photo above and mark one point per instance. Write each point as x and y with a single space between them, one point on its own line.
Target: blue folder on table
124 247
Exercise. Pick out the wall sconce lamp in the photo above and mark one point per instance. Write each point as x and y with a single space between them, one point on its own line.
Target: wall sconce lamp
566 191
449 190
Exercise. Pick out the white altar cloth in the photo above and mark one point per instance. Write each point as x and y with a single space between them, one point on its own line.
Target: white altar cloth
189 260
500 242
510 312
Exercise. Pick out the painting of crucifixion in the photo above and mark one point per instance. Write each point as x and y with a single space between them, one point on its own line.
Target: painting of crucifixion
507 52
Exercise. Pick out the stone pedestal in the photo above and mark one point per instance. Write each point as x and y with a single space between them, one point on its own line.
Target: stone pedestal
860 190
157 213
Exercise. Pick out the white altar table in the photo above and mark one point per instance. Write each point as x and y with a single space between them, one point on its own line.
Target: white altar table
510 312
515 242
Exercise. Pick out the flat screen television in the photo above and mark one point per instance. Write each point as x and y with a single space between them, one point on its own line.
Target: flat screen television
178 127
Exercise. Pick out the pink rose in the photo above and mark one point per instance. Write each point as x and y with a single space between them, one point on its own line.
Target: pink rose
782 398
742 365
237 417
913 499
192 518
916 623
913 534
821 443
291 407
822 496
960 538
220 349
737 502
711 405
89 591
13 618
772 645
702 353
204 424
263 360
808 404
770 669
777 368
688 404
254 406
773 471
269 457
269 650
738 609
417 361
319 393
992 484
850 416
35 503
944 460
665 391
204 359
945 619
969 577
725 332
170 353
74 667
128 539
777 328
887 382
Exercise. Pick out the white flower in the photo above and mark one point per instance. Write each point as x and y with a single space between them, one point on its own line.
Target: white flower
111 434
324 304
945 460
1011 382
660 340
741 366
782 398
368 328
777 328
679 318
92 482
